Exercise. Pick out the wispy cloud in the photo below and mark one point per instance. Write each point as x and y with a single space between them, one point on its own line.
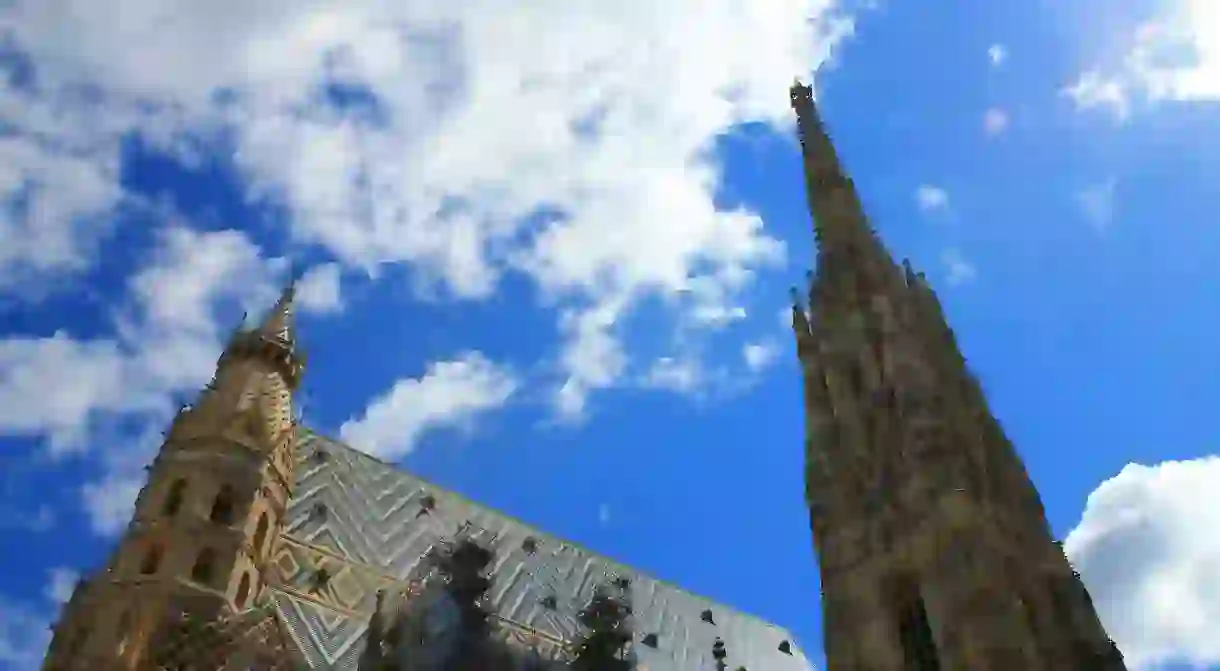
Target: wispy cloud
995 121
931 198
997 54
1173 57
60 584
759 355
958 270
674 374
1094 90
24 635
1097 203
319 289
450 394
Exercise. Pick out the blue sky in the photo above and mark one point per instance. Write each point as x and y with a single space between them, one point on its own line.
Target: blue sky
546 257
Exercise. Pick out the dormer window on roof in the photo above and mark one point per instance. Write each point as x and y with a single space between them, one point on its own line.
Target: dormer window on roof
321 578
426 505
319 512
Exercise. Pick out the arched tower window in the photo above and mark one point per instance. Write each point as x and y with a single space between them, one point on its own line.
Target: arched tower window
243 590
173 499
222 507
152 561
914 630
260 532
205 567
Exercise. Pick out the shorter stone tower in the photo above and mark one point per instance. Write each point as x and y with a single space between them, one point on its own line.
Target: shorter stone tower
204 524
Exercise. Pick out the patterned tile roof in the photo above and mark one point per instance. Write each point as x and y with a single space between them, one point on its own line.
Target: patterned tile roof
362 521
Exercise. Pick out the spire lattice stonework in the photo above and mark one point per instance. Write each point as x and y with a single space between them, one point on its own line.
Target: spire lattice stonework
933 544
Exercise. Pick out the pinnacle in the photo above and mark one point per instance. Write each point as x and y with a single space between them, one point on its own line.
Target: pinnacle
279 321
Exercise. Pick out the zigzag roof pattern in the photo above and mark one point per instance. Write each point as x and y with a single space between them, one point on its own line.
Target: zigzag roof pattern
370 525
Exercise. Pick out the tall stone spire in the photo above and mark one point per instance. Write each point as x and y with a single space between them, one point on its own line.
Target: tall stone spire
932 542
849 252
279 322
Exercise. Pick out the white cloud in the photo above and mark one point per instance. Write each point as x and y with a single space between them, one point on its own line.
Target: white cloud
1147 547
1172 57
997 54
1097 203
1094 90
58 176
51 386
761 354
592 356
61 582
568 141
995 121
600 115
958 270
603 514
450 394
191 272
931 198
319 289
110 499
166 343
717 315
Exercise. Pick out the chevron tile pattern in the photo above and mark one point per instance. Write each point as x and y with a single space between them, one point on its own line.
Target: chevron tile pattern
370 527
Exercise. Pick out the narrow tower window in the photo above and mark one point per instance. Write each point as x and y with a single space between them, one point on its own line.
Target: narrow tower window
243 590
222 507
205 567
918 645
260 532
152 561
173 499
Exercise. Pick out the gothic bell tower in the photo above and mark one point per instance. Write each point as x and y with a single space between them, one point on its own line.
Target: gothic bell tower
204 524
933 545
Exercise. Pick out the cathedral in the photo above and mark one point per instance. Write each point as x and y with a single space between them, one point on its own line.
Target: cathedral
257 543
